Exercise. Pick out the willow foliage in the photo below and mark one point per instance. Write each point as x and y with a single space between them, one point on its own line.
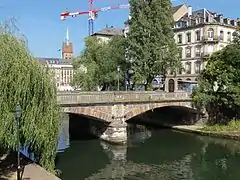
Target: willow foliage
26 81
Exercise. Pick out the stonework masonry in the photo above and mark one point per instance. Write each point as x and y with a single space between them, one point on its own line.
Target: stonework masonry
115 108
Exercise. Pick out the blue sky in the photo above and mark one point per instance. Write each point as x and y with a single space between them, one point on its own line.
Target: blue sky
40 20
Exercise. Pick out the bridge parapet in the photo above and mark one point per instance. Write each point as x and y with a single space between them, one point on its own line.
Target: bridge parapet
67 98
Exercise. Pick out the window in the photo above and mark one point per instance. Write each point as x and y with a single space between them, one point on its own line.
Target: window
180 87
221 36
229 36
210 33
188 67
197 51
198 36
188 52
179 40
189 37
180 52
197 66
180 71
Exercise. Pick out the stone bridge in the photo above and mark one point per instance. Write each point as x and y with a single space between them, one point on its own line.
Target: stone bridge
115 108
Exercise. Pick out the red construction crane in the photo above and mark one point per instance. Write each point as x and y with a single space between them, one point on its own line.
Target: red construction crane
92 13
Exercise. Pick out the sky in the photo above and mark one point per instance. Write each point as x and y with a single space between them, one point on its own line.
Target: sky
40 20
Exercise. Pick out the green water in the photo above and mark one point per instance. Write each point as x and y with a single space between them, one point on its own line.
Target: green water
163 155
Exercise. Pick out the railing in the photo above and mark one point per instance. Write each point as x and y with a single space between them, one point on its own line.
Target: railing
117 97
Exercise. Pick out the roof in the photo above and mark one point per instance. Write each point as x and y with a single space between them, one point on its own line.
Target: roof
110 31
43 60
176 8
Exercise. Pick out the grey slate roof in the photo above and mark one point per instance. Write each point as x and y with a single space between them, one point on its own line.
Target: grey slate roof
43 60
110 31
175 8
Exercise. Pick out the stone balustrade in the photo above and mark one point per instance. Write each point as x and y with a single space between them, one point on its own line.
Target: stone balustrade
100 97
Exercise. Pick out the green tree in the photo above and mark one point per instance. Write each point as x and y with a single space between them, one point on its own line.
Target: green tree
219 88
24 80
150 41
97 64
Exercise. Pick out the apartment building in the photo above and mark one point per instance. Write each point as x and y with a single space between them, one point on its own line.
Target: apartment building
61 71
108 32
198 34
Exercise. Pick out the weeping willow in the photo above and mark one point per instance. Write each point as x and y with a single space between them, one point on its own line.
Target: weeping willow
25 81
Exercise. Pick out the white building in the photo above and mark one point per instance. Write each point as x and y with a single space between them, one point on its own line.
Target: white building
61 70
198 34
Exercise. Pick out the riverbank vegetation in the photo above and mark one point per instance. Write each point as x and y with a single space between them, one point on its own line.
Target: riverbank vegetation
150 41
219 88
24 80
231 126
149 50
100 65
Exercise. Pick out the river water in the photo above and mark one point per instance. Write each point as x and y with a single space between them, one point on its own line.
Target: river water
152 154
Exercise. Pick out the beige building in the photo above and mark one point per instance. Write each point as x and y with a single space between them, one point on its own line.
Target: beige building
198 34
61 71
107 33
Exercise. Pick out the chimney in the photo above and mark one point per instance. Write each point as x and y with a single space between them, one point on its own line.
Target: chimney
189 11
238 22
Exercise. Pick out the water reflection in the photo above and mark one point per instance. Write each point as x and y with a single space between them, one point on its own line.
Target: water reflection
153 154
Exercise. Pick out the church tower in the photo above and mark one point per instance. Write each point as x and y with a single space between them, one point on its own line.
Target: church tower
67 48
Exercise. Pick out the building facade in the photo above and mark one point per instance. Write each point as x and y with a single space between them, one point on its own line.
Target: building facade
198 34
61 71
108 32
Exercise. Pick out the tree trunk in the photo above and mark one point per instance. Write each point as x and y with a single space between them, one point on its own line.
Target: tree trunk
148 85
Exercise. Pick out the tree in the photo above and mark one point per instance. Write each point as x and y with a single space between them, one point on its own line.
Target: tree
24 80
219 88
150 42
97 65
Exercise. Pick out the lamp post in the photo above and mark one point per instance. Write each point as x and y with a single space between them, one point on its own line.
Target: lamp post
130 73
118 70
18 112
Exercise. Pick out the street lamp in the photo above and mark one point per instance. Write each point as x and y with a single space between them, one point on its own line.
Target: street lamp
118 70
18 112
130 73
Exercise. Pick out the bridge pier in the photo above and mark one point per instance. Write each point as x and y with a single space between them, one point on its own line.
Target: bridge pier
115 134
116 131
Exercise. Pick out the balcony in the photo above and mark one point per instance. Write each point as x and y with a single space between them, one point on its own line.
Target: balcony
214 39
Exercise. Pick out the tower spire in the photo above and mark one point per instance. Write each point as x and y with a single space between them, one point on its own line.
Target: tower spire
67 37
67 47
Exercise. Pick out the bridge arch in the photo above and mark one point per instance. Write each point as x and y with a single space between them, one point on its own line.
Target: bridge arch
89 111
142 108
